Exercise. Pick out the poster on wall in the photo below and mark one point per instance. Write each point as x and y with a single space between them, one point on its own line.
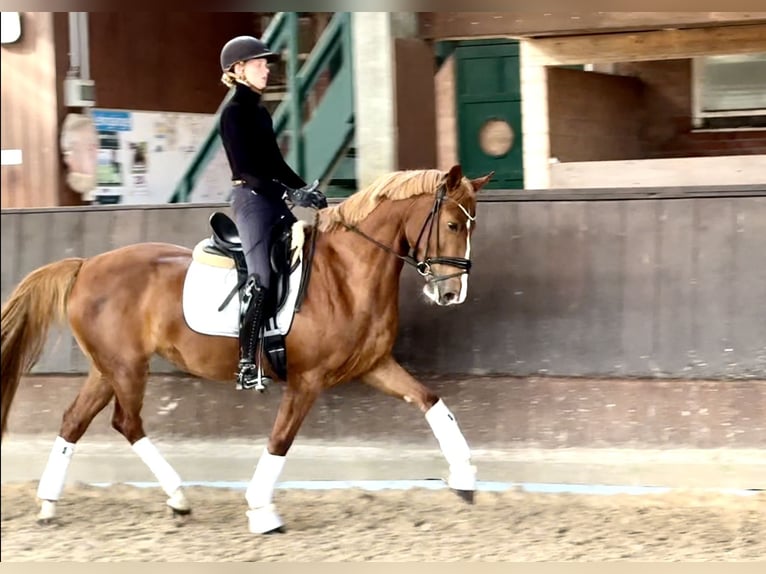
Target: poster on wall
214 182
142 154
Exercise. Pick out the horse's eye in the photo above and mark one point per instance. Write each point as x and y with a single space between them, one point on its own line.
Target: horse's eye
452 226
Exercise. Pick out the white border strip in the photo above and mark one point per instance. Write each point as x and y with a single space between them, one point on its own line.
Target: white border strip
439 484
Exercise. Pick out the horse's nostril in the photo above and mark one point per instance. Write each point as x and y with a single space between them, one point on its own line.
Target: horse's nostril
449 297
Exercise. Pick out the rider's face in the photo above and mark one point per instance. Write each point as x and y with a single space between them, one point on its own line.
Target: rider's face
256 72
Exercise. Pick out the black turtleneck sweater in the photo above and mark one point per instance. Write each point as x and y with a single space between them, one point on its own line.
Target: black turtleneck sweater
251 145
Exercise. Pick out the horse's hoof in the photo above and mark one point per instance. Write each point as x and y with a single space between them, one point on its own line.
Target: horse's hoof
462 481
49 521
264 520
466 495
180 518
180 512
179 505
47 514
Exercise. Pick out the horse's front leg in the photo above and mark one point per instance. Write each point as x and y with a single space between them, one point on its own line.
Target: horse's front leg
391 378
298 398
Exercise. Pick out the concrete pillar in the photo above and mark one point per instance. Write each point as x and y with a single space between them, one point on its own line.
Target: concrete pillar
375 91
534 116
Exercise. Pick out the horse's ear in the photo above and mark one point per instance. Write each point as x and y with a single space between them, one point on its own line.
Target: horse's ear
480 182
454 177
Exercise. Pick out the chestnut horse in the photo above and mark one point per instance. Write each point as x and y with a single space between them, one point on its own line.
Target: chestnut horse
124 306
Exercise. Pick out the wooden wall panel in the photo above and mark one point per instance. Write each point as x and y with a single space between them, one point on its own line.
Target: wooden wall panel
415 104
162 61
29 119
139 61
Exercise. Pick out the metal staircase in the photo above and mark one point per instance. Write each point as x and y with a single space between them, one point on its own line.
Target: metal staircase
312 110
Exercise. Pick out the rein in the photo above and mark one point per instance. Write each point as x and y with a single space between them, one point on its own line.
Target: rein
424 267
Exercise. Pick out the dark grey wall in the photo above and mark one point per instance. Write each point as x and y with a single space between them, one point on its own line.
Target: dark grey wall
645 287
589 283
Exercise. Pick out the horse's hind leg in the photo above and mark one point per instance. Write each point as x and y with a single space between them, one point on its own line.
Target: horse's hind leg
391 378
92 398
129 382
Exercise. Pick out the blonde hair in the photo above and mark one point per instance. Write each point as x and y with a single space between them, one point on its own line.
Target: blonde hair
229 79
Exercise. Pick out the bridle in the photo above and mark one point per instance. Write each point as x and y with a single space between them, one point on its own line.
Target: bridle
424 266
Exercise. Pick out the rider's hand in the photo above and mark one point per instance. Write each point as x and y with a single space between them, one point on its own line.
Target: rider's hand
308 196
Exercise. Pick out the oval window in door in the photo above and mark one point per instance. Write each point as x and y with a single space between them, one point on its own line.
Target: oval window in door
496 137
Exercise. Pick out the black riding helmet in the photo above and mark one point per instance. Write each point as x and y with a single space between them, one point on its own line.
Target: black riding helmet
243 48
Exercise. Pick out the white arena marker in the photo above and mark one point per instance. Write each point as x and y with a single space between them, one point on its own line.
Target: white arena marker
11 157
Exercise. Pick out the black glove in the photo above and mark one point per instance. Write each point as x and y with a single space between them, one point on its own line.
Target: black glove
307 196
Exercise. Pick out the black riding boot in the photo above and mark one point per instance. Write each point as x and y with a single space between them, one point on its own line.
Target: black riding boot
250 325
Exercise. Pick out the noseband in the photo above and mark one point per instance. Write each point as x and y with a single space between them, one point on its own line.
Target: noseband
424 266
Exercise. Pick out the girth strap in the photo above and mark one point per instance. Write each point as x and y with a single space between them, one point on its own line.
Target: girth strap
241 266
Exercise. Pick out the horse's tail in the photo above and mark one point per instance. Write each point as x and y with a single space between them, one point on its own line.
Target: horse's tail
39 300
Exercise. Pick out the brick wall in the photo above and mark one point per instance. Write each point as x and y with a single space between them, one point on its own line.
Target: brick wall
594 116
713 143
667 131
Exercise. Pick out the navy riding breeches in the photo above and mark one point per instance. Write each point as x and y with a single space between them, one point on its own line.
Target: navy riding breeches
256 216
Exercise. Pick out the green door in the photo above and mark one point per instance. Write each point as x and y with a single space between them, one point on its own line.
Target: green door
489 111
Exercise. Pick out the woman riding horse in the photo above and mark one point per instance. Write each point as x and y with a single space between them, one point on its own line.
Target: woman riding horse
261 178
124 306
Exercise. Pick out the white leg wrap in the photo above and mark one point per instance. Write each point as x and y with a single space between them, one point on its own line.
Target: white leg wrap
264 520
166 474
262 516
261 488
47 510
453 445
54 476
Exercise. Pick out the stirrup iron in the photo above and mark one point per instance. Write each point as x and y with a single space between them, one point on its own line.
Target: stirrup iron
260 383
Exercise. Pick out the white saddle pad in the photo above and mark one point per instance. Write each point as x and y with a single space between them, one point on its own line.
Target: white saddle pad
211 278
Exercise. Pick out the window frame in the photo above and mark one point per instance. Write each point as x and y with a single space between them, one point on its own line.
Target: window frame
720 119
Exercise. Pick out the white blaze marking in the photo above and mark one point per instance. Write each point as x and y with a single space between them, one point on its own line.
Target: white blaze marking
464 276
431 291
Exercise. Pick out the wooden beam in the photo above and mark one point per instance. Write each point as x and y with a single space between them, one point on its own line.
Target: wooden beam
466 25
664 172
642 46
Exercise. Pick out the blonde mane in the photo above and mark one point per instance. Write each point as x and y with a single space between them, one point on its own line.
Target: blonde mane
394 186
